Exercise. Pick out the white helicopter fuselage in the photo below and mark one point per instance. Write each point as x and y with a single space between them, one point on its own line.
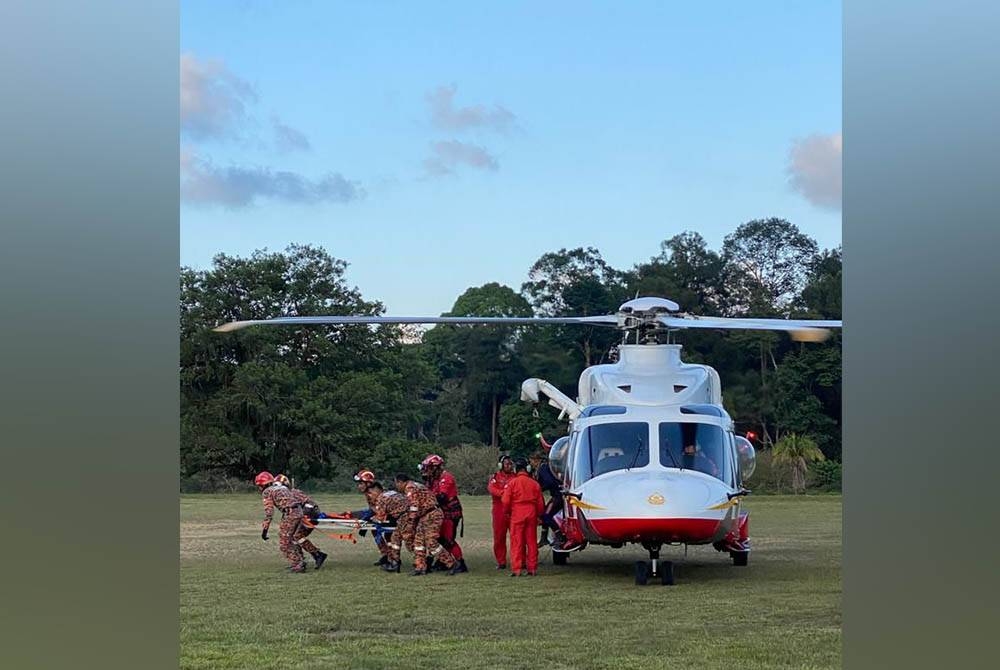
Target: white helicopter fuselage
661 501
623 464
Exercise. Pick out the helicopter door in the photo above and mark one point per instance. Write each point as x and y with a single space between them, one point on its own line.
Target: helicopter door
568 475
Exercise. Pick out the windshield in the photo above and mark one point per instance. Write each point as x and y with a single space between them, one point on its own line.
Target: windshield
607 447
694 446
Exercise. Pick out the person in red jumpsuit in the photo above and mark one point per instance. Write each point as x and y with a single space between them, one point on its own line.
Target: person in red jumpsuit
523 499
442 484
501 520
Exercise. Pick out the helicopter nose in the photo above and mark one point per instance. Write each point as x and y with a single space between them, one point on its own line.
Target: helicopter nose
654 494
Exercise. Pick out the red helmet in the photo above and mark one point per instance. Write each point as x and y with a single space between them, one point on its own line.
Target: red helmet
263 478
431 461
365 476
283 480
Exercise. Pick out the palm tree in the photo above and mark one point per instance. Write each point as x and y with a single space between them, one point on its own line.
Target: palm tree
797 451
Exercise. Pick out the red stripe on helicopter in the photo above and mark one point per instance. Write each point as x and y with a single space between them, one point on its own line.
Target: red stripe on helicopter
665 530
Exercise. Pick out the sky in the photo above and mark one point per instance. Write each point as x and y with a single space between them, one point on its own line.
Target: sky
439 146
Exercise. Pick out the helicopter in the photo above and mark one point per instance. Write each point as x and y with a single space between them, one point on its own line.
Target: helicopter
651 456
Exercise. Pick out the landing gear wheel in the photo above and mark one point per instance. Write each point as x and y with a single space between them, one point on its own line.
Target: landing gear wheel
740 557
641 573
667 573
559 557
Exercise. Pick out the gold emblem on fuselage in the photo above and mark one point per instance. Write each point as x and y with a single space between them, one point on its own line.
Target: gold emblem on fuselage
655 499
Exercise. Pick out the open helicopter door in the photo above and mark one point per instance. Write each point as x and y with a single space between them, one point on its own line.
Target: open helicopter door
561 458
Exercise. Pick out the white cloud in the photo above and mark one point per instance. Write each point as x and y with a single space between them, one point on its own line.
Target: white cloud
213 101
288 139
446 116
449 155
814 169
234 187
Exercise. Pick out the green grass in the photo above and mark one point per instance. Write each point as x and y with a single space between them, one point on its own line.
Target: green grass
240 609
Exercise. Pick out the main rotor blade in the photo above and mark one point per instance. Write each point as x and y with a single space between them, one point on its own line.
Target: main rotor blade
801 330
606 320
793 323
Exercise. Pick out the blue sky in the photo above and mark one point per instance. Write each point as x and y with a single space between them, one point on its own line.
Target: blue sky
437 146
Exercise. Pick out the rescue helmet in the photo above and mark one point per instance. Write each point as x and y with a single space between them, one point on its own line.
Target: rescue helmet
283 480
432 461
263 479
365 476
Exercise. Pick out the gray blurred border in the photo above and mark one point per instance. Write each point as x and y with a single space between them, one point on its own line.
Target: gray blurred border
89 254
88 186
921 236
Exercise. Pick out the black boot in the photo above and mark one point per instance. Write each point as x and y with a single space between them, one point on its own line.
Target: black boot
320 558
417 573
462 567
382 561
457 568
298 568
391 566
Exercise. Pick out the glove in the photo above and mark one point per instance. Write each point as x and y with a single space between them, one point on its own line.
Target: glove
263 533
363 532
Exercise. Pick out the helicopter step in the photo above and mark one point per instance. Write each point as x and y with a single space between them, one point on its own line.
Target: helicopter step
664 570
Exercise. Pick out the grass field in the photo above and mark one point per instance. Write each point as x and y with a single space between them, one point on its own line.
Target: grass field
240 609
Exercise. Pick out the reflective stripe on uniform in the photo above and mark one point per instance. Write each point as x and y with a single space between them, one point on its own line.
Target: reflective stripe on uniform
419 547
437 550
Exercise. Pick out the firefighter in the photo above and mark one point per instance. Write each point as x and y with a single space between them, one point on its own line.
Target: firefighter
442 484
523 499
365 479
501 519
403 535
275 495
424 517
550 484
310 513
391 508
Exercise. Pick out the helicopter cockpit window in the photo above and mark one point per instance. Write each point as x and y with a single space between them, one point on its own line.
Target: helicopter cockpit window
608 447
695 446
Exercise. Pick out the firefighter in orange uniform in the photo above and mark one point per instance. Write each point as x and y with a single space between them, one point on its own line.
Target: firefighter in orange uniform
501 518
523 499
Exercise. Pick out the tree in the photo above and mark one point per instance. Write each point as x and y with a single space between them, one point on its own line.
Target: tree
821 297
797 451
520 423
577 282
301 400
482 357
767 263
807 395
685 271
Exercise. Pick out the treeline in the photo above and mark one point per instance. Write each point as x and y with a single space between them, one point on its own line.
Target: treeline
318 402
